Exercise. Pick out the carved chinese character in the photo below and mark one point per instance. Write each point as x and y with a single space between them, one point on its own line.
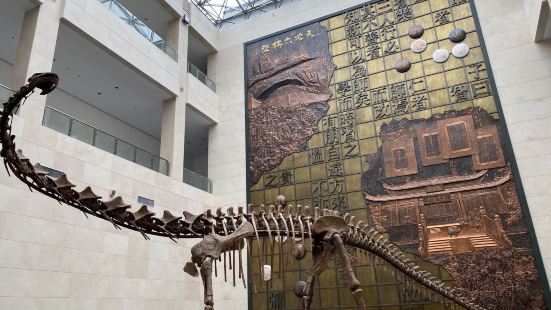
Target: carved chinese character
331 136
481 88
368 12
458 2
345 104
419 102
460 93
287 178
354 43
317 156
400 106
277 44
265 48
333 153
442 17
371 37
384 6
335 169
319 188
335 185
397 91
388 29
391 47
271 180
379 96
361 100
288 41
299 36
353 30
348 134
347 119
350 150
374 51
356 57
403 14
360 85
353 16
359 71
344 88
382 110
310 34
417 85
338 202
475 70
329 122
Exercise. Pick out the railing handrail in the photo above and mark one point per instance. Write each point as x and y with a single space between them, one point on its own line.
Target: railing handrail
6 88
71 118
212 85
150 38
202 177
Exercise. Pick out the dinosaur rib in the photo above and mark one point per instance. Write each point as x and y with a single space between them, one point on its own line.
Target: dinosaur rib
220 232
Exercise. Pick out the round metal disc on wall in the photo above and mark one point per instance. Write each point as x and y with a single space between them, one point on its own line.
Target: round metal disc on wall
416 31
440 55
460 50
457 35
403 65
418 46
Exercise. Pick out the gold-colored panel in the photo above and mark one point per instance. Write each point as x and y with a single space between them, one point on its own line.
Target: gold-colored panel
461 11
318 172
457 76
353 182
368 146
439 4
366 130
436 81
336 22
364 115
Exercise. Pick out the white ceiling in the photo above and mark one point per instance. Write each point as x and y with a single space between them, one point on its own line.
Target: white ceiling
98 78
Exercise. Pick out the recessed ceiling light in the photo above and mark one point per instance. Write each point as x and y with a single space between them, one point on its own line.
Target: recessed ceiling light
99 94
116 87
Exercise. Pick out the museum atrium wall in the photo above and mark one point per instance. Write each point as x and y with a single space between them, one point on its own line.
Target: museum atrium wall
427 119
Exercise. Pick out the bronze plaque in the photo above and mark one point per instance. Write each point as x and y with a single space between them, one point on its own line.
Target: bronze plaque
333 124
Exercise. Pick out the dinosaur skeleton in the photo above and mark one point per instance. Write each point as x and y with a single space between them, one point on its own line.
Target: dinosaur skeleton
225 233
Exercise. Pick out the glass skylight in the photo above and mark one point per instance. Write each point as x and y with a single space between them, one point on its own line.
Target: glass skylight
221 11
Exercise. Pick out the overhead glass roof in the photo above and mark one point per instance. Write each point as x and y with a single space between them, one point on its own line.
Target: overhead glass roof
228 11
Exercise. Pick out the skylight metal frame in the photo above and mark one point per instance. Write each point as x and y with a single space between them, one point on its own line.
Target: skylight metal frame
228 11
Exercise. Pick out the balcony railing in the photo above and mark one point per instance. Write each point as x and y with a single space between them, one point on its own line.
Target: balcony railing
196 180
79 130
140 27
5 93
191 68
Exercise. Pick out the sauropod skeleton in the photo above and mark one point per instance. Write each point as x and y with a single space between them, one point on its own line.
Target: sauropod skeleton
221 232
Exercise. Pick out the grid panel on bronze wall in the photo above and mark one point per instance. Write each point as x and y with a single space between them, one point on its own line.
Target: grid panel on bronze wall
328 173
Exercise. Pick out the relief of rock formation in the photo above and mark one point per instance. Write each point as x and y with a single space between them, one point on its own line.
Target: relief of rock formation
288 93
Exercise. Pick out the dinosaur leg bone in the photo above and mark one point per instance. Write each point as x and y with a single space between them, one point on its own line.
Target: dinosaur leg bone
353 283
206 275
321 253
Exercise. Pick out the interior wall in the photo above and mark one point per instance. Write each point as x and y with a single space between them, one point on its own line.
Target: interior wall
6 70
89 114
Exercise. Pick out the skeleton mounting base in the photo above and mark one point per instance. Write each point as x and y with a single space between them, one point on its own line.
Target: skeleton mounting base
224 234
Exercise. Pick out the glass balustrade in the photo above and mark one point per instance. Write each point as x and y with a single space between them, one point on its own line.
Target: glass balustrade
193 70
72 127
196 180
122 12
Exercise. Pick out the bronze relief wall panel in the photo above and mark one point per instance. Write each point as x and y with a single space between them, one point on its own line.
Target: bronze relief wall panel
362 112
